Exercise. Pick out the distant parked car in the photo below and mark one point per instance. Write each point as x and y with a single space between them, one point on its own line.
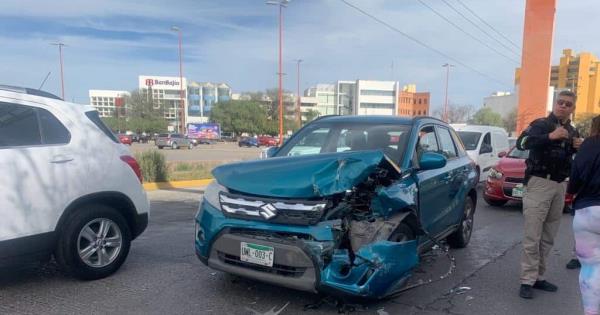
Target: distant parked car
60 196
248 142
174 141
267 141
125 139
228 137
506 180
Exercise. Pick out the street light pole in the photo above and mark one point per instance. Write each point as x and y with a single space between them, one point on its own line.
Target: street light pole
181 108
298 111
62 78
447 66
281 4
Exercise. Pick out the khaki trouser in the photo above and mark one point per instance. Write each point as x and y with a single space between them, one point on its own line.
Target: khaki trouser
543 204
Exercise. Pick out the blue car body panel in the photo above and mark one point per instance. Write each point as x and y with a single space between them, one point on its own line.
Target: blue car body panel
434 199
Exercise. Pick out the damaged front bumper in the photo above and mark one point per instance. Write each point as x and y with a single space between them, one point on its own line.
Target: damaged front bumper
305 257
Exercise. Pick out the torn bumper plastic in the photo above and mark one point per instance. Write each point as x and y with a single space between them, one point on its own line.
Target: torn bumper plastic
305 256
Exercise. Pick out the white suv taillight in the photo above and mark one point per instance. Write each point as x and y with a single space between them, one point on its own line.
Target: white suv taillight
134 166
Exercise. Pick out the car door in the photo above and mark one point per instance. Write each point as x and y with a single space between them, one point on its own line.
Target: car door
486 156
457 174
434 191
36 165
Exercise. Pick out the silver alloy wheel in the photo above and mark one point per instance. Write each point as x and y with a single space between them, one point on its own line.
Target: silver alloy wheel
467 224
99 242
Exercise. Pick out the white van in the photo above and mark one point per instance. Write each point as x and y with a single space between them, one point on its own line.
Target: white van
483 144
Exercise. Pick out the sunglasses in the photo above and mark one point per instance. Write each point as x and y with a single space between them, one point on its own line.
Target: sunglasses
565 103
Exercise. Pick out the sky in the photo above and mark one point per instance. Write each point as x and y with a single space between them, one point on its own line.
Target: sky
110 42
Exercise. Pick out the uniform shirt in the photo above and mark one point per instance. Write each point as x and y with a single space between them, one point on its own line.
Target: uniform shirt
550 159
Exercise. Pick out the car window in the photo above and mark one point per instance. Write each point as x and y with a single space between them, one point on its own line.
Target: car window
518 154
470 139
427 141
18 125
311 143
95 118
486 144
163 135
53 131
460 148
446 143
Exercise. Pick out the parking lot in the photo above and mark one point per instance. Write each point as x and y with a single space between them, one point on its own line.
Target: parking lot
163 276
219 151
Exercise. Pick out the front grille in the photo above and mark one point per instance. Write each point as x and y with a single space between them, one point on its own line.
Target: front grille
282 270
297 212
517 180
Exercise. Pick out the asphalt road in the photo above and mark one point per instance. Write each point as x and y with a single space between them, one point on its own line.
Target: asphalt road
163 276
220 151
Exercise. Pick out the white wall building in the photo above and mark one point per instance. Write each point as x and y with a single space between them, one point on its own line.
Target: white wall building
505 103
202 96
165 94
107 101
326 98
376 97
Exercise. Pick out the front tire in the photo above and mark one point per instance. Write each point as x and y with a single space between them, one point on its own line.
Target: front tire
174 146
94 243
461 237
190 146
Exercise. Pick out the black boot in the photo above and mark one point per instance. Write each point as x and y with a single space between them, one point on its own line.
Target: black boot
573 264
526 292
545 286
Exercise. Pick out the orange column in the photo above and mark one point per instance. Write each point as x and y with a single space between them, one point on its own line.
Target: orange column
535 61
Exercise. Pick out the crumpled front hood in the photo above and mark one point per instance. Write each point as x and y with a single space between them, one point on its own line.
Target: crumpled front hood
309 176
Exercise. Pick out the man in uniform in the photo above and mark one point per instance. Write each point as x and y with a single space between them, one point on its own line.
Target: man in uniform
551 142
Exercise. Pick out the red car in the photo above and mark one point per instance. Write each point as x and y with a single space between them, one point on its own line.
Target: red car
505 180
267 141
125 139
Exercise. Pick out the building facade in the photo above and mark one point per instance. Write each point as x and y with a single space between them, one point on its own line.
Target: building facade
412 103
202 97
109 103
504 103
580 74
376 98
165 93
325 94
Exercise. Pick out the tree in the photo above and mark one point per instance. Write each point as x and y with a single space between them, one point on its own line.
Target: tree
583 123
311 114
456 113
486 116
510 122
242 116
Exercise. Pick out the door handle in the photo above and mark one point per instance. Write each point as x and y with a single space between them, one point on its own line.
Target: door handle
58 159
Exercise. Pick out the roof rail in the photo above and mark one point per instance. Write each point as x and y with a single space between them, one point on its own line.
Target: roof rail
29 91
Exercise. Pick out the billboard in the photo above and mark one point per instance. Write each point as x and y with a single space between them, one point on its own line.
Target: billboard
161 83
204 131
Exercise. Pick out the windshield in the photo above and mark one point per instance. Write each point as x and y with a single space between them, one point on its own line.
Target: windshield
328 138
518 154
470 139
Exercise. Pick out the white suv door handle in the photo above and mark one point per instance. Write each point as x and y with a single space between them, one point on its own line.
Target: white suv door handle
61 159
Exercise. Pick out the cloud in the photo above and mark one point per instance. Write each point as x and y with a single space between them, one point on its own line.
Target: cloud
113 41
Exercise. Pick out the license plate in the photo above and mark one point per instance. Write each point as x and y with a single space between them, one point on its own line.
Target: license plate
517 191
257 254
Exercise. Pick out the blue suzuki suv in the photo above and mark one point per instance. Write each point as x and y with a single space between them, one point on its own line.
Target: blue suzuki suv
345 206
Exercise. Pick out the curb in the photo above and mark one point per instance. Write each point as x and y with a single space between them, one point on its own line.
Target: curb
176 184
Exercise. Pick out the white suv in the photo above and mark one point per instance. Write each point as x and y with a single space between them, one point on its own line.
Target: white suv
68 189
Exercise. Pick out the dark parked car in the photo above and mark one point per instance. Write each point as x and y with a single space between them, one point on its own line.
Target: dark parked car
345 206
248 142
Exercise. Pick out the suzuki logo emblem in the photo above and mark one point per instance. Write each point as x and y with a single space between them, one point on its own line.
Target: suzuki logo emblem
268 211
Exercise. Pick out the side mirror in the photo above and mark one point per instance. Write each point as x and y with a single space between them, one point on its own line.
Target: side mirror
431 161
269 152
502 154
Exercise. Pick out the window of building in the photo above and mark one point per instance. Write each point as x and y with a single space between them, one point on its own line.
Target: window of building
377 92
419 101
377 105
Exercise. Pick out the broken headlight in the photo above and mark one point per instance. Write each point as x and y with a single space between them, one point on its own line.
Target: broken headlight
211 194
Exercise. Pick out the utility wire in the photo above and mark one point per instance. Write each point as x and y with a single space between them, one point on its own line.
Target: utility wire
481 29
393 28
467 33
488 24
